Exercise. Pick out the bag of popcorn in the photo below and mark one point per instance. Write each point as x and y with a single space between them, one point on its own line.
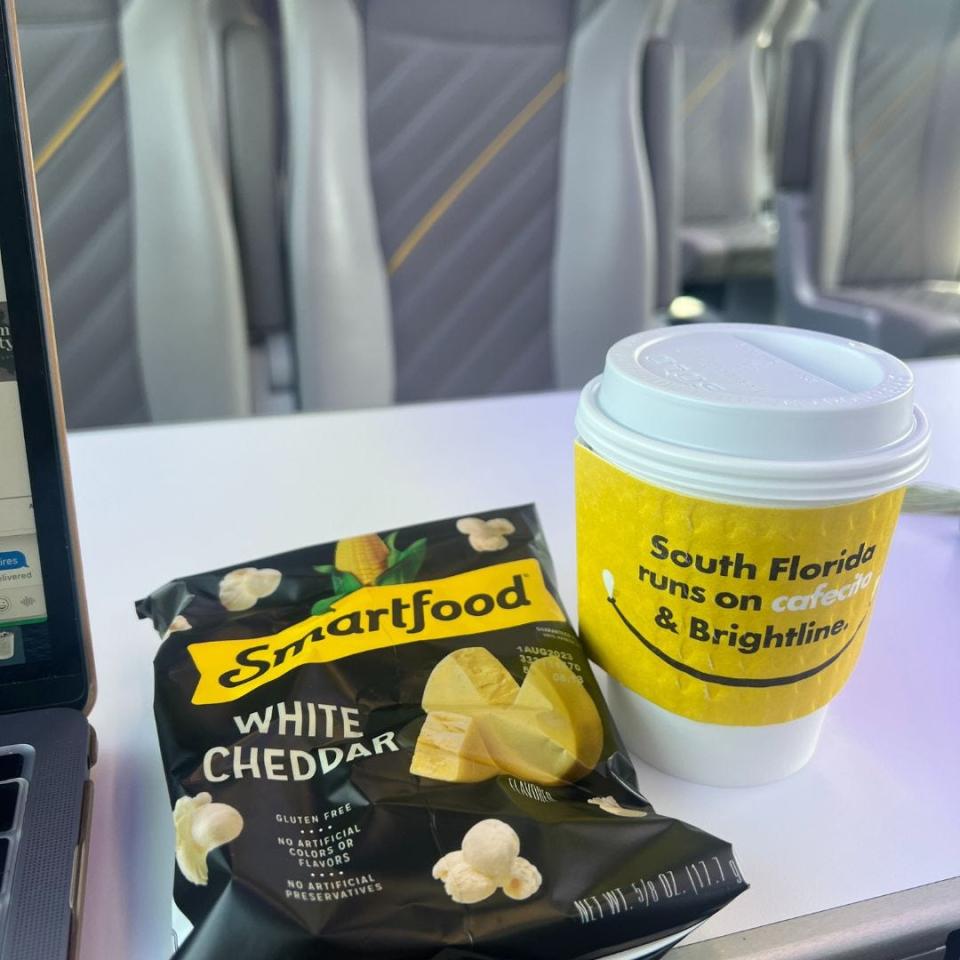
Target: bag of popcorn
393 746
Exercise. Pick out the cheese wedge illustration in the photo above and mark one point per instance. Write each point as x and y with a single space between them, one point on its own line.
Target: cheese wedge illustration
469 681
451 747
552 734
481 723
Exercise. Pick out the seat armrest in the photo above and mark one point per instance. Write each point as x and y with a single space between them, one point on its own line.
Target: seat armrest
605 251
190 310
339 286
795 152
804 304
663 130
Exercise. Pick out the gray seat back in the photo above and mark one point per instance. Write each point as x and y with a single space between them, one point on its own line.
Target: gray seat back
869 176
724 107
452 276
157 169
73 73
886 173
464 105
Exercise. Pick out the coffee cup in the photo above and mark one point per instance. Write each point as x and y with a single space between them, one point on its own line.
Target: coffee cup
737 488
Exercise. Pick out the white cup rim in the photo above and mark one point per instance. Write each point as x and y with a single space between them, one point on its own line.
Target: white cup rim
717 476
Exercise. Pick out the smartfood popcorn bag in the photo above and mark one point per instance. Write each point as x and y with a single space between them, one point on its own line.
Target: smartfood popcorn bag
393 747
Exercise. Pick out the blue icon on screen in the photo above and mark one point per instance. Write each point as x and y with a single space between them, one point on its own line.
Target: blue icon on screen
12 560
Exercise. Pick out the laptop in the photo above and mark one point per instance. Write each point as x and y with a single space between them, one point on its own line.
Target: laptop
47 746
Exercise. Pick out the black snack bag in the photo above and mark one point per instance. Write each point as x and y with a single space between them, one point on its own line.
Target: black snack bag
392 747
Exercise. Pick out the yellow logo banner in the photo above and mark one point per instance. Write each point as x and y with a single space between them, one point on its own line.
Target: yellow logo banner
372 618
722 612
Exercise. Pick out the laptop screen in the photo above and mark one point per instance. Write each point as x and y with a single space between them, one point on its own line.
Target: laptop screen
23 609
43 642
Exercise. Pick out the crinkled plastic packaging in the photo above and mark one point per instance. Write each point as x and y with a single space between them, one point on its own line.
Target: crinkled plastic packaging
392 747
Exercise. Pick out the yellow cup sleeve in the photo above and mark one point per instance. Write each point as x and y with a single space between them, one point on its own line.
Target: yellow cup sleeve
721 612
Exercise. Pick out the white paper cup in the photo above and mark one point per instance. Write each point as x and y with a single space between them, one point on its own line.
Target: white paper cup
785 452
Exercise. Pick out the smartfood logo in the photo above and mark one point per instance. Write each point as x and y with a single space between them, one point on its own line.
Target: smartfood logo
374 617
398 614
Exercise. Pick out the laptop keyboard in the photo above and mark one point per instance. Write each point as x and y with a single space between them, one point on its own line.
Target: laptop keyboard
11 766
9 796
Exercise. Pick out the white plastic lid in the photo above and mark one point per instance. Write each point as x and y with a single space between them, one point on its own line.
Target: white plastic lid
756 413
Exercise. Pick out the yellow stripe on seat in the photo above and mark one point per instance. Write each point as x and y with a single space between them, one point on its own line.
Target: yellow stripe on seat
892 112
99 91
708 84
475 168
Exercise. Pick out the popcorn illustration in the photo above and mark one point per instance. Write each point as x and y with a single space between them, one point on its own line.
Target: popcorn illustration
610 805
201 826
486 534
241 589
442 868
491 846
466 885
488 859
524 880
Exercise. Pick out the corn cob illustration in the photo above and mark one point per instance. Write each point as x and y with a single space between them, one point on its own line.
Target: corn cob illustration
365 557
